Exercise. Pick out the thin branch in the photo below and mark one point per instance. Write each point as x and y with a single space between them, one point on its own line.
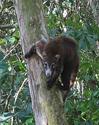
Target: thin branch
7 26
16 97
10 52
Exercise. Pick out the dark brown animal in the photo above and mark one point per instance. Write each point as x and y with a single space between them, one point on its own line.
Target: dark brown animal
60 59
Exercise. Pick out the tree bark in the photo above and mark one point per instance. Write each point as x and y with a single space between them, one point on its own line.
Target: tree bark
47 104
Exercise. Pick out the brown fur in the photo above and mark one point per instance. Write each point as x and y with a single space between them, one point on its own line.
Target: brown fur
67 49
67 66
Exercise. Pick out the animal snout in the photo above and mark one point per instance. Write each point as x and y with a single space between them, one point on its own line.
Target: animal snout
48 73
48 76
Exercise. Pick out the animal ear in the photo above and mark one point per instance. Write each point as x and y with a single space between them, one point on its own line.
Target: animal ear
40 45
57 57
37 48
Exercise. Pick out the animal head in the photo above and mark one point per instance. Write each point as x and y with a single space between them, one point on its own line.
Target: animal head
51 60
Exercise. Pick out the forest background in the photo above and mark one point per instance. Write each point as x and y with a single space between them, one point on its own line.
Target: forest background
74 18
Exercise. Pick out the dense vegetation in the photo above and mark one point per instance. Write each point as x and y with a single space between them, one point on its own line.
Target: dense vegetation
72 18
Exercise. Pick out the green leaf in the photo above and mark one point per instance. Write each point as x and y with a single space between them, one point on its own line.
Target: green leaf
3 67
30 121
16 34
89 122
5 116
2 41
11 39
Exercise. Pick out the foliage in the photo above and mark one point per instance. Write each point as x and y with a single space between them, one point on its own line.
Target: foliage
83 110
71 18
15 98
82 106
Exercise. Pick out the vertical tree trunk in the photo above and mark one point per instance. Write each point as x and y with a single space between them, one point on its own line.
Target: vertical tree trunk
47 104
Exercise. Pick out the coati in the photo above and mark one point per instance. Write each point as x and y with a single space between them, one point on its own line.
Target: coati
60 58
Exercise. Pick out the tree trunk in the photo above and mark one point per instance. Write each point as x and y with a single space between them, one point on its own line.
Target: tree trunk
47 104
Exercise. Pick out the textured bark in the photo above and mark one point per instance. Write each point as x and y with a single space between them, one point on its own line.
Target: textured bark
47 104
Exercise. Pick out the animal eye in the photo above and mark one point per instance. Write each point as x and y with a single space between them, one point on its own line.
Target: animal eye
45 64
53 65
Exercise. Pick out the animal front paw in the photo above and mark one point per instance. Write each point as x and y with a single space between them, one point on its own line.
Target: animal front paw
62 87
